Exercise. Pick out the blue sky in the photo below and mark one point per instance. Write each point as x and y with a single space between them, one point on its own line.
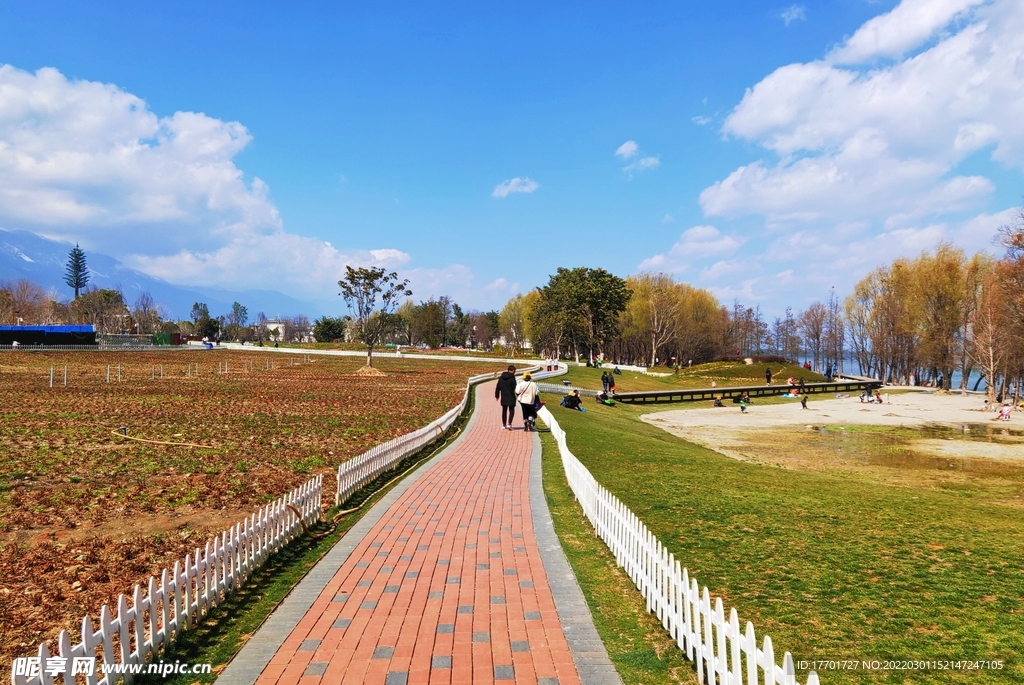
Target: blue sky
765 151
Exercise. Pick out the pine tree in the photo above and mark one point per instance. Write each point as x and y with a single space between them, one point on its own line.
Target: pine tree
77 273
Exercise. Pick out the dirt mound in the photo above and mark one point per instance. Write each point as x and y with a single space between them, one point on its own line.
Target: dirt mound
368 371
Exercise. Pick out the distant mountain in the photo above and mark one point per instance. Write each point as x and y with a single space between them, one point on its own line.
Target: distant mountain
41 260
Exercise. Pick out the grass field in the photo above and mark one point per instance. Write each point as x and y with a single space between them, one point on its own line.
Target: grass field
85 514
724 374
834 565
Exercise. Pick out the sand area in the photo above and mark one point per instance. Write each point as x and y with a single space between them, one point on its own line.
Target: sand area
728 429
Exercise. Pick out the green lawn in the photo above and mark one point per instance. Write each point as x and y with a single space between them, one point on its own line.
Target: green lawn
724 374
832 566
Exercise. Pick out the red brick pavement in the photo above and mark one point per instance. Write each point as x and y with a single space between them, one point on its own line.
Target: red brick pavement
447 587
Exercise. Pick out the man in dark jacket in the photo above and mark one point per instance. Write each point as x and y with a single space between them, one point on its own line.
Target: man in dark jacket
505 390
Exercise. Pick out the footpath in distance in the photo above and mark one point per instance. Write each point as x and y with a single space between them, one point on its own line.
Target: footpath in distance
448 579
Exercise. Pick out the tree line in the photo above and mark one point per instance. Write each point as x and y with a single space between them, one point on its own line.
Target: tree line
926 318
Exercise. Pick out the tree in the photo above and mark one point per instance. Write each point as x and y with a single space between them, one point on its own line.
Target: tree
581 305
301 327
145 314
199 311
203 325
329 329
103 308
361 289
834 333
941 289
259 327
989 344
235 321
76 274
239 315
654 312
513 324
812 326
426 323
208 327
23 302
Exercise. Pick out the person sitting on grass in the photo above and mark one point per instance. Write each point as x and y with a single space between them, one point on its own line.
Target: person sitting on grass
572 401
717 402
605 400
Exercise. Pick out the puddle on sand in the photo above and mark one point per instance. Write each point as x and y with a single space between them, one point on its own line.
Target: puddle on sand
895 449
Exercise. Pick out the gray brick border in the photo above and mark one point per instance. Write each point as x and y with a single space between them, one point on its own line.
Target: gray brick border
588 652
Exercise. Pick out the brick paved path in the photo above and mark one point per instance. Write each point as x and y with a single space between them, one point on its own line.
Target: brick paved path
446 583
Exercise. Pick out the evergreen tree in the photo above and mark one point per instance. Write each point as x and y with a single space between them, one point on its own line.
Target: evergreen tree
77 273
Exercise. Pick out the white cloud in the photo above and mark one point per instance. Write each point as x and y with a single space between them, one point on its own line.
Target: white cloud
292 259
743 291
456 281
723 269
792 13
695 243
907 26
627 149
91 163
643 164
515 185
667 219
883 145
701 121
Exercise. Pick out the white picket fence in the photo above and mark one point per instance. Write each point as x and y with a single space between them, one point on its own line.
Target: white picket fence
715 644
358 471
154 617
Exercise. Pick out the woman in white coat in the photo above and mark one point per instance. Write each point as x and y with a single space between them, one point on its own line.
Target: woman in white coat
526 393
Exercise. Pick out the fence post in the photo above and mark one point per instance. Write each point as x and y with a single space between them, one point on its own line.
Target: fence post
118 373
51 376
108 373
65 375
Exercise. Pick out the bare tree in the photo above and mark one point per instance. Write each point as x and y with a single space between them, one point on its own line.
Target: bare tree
812 328
990 335
145 313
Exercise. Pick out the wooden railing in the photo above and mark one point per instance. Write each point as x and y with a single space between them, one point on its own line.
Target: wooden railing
846 384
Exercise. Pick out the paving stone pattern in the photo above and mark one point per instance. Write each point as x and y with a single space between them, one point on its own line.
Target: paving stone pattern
447 586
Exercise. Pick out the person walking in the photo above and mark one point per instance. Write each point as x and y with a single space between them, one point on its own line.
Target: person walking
605 381
768 375
526 393
505 391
